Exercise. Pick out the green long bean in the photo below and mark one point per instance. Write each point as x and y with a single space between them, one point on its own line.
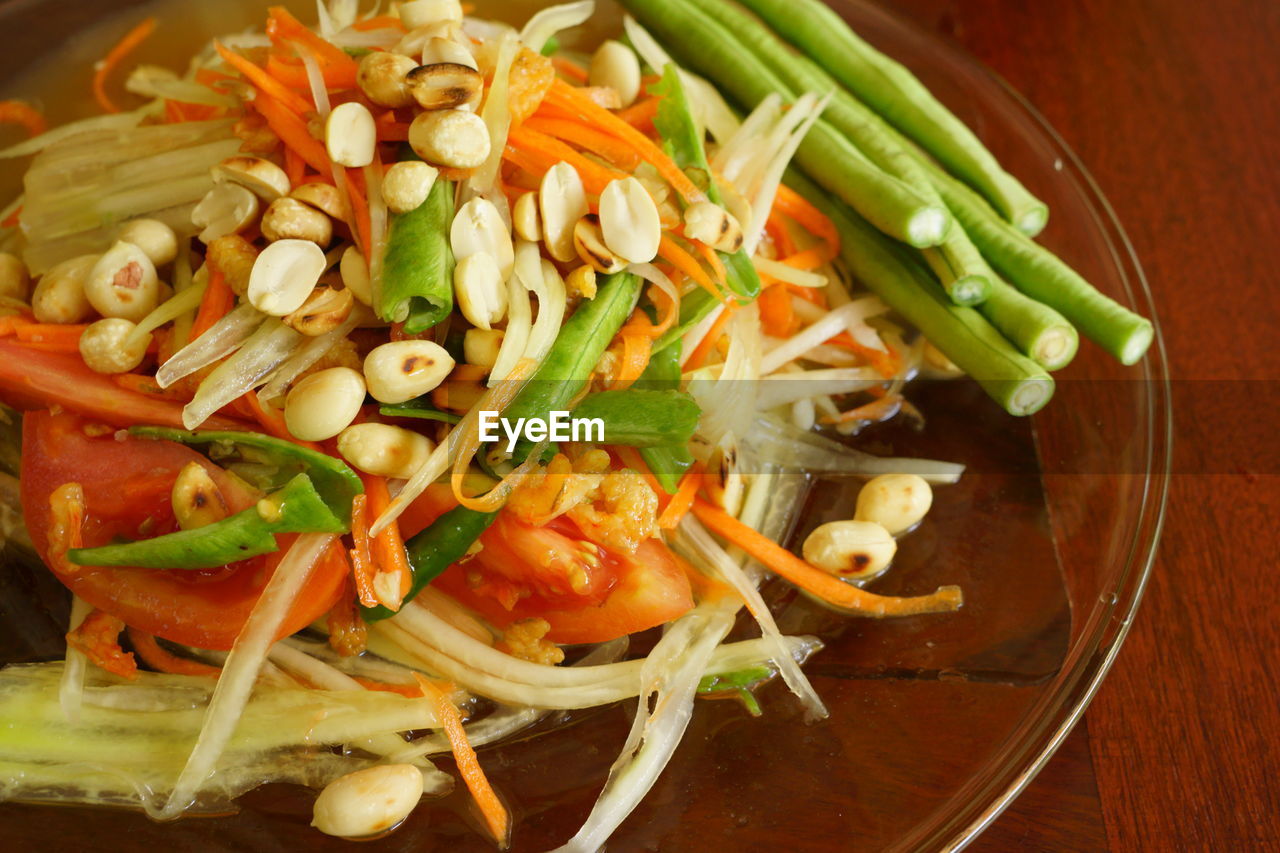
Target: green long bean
1045 277
894 92
702 44
1037 330
582 340
417 267
958 264
1014 381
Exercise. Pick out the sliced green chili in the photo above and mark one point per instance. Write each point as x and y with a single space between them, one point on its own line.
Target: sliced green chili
269 463
296 508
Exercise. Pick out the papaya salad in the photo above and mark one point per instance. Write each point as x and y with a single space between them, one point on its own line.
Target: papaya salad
379 377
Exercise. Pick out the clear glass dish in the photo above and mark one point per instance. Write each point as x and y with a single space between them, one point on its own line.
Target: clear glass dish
937 722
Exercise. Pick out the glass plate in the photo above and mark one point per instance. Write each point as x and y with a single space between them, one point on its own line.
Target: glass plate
937 722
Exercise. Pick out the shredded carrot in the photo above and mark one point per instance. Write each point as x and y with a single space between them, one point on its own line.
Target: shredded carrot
387 548
212 79
292 131
390 129
64 338
791 203
877 410
549 151
265 83
569 68
491 808
777 317
217 301
20 112
11 323
815 581
362 568
283 27
885 363
11 221
776 228
161 660
637 347
142 384
114 57
809 259
97 638
588 139
809 294
682 501
272 420
363 225
591 113
704 347
381 22
671 313
294 167
671 252
712 257
640 115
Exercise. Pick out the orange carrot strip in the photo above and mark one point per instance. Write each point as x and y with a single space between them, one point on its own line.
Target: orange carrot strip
703 349
886 364
97 638
597 116
595 177
637 347
384 687
682 501
491 809
363 225
272 421
809 294
11 323
114 57
294 167
362 568
292 130
283 27
161 660
640 115
381 22
387 548
569 68
777 316
65 337
587 138
791 203
11 221
712 257
264 82
20 112
809 259
217 301
671 252
813 580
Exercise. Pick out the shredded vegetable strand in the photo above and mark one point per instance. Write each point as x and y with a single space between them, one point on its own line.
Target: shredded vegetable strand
242 667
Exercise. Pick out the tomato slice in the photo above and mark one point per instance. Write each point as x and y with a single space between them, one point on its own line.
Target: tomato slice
34 379
126 483
589 594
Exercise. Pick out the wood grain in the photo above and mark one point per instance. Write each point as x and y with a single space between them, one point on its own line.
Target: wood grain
1171 105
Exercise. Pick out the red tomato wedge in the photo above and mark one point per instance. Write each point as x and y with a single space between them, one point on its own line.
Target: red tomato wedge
589 594
126 483
35 379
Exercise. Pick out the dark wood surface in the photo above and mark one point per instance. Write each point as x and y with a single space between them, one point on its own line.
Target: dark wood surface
1172 104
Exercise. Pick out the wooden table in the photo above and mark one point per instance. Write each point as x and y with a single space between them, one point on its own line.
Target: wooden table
1172 105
